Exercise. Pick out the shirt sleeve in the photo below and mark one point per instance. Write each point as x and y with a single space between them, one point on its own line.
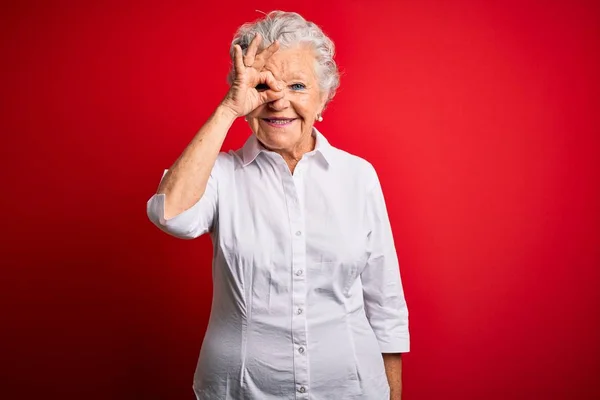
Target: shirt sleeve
383 293
196 220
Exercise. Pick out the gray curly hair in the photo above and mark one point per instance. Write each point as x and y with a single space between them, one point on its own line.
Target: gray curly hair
291 29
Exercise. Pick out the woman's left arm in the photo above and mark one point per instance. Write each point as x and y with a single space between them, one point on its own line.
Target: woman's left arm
383 292
393 370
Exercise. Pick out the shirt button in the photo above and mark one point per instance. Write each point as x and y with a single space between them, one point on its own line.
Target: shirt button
299 272
299 311
302 389
298 233
301 350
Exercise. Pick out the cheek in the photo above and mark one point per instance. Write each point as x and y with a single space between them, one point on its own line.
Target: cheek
307 108
254 113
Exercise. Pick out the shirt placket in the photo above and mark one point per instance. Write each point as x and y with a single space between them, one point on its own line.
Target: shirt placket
299 325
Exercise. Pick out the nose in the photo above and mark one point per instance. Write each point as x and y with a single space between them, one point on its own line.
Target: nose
279 104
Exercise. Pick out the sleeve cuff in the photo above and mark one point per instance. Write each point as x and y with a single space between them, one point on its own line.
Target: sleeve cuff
181 225
401 345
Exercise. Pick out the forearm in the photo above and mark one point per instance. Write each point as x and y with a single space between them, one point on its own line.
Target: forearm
185 182
393 370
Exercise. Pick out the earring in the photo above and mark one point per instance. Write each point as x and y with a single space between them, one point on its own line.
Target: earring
319 117
246 119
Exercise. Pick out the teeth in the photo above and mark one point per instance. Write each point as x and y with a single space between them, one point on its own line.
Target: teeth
279 121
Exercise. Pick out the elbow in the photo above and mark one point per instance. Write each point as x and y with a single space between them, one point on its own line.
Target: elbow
180 226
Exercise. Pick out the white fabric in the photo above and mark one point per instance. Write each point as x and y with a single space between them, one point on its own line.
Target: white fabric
307 288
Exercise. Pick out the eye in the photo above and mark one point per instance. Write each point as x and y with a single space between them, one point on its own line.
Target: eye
297 86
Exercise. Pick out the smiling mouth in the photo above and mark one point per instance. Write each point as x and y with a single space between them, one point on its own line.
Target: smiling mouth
279 121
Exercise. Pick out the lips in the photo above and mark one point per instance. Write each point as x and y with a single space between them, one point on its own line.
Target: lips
279 121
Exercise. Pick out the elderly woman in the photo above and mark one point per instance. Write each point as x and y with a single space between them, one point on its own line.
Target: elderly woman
308 302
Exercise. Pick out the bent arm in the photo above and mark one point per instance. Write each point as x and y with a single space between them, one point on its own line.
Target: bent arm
185 182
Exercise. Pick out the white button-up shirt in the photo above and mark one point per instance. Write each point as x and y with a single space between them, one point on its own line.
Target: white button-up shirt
307 288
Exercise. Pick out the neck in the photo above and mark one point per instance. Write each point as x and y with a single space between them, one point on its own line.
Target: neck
294 155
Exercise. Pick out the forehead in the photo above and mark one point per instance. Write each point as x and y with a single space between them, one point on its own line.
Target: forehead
292 62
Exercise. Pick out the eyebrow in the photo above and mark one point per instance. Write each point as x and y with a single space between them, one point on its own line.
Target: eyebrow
298 76
294 75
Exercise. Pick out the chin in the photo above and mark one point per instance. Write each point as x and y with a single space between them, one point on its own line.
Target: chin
278 140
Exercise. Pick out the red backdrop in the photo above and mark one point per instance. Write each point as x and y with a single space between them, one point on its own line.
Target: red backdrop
482 121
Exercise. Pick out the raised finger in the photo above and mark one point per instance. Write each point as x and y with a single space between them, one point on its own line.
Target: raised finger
264 55
238 60
251 51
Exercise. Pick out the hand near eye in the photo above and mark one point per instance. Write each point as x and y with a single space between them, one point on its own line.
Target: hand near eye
243 97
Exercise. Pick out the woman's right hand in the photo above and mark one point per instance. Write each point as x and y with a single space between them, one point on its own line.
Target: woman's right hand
243 97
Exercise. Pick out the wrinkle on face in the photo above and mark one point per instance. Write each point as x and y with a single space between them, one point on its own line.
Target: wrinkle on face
302 100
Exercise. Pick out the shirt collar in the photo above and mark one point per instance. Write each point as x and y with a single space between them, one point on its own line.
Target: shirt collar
252 148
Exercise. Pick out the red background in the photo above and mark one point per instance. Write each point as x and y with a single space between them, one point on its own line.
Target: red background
481 119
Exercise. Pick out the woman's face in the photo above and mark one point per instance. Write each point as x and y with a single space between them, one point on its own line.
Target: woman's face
286 124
